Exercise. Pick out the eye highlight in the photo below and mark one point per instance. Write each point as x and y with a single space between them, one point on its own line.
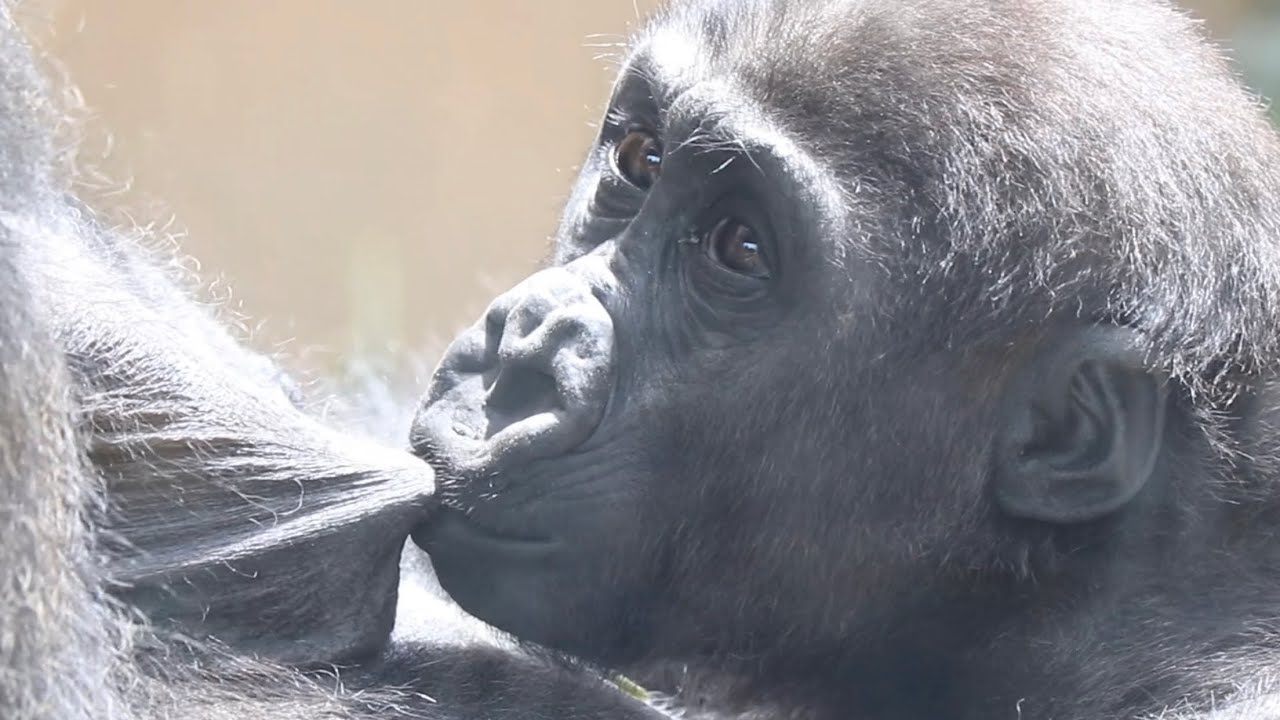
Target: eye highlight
734 245
638 158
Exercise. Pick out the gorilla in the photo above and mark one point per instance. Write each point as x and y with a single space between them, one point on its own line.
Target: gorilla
179 535
895 359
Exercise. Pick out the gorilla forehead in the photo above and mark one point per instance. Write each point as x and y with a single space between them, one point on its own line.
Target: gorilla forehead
836 54
940 80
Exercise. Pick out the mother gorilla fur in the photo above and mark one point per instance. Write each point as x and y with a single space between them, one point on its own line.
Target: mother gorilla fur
177 537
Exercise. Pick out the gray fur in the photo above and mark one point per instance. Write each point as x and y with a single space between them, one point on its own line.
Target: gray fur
177 537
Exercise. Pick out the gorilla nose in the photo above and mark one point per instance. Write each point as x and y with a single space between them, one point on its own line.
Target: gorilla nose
530 380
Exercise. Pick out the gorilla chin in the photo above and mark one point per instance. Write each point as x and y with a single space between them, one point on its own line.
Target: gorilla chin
515 567
518 584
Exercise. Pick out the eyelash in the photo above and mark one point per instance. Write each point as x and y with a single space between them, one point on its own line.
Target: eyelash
615 118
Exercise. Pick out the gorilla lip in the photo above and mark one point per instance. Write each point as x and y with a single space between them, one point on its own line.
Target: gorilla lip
458 529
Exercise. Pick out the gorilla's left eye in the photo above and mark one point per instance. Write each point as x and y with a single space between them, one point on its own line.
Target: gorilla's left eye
638 159
734 245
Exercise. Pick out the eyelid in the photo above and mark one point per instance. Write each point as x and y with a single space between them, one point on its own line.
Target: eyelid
635 97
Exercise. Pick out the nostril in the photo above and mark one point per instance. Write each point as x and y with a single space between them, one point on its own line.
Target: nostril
519 392
532 378
495 324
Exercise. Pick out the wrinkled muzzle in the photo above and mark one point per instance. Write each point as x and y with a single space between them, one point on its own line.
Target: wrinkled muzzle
531 380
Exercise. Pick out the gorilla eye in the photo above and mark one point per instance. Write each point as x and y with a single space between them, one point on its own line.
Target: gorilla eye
638 159
734 245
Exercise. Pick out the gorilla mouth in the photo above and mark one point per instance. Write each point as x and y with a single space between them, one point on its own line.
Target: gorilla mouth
453 530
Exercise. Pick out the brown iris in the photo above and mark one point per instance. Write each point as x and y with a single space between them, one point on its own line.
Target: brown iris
638 158
733 244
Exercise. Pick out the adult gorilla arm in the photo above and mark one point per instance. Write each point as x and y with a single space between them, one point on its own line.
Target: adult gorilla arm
179 538
228 508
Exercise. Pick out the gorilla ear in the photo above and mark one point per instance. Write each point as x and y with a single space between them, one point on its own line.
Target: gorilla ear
1083 428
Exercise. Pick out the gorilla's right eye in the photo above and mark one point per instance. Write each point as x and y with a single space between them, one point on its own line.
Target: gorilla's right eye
733 244
638 159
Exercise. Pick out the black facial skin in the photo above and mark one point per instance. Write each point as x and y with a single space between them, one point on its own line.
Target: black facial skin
896 360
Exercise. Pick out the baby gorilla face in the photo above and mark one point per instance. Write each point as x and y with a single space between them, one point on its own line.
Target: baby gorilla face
628 437
847 380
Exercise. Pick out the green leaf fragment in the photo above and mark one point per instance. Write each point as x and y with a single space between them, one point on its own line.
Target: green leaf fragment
629 687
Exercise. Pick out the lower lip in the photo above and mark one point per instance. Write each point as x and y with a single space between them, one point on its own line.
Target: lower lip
451 531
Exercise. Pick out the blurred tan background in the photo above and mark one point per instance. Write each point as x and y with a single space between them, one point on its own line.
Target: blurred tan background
363 176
